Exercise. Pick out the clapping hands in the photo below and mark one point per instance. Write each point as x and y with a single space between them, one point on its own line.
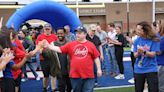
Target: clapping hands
140 49
7 55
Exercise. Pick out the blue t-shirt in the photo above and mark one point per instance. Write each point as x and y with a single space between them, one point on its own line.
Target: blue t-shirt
149 64
8 71
160 58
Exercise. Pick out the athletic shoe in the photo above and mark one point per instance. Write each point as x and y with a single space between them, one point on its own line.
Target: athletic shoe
24 79
120 76
38 78
131 81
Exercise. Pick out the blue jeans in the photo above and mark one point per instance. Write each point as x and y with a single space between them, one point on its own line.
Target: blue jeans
82 85
104 63
31 68
112 59
38 59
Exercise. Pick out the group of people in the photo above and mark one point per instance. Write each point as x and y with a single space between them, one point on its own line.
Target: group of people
147 56
76 60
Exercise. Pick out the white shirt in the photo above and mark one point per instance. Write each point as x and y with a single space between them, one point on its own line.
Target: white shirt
133 39
1 74
112 35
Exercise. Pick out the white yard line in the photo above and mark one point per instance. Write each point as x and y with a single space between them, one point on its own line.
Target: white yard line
113 87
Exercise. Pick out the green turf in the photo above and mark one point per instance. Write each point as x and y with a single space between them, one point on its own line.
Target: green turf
127 48
126 89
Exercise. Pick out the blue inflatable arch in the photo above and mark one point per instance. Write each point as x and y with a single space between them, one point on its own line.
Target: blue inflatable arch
52 12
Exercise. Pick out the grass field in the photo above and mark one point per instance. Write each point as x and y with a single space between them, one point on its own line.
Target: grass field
127 48
125 89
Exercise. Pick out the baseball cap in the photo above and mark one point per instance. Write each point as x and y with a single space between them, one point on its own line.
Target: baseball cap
47 25
81 28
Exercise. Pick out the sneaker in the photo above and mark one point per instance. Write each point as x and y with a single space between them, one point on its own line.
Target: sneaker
38 78
24 79
96 84
120 76
131 81
48 87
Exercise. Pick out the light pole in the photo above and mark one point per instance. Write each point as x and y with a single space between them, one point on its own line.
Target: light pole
128 29
77 8
153 10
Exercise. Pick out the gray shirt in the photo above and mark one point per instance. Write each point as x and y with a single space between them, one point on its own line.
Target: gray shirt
102 36
70 37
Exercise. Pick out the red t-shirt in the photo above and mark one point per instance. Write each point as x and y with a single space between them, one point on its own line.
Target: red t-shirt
49 38
82 57
19 44
19 55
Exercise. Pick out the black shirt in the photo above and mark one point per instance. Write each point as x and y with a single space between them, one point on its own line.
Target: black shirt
95 40
63 58
121 39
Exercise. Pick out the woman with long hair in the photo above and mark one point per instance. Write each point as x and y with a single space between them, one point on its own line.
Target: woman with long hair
5 56
10 78
146 47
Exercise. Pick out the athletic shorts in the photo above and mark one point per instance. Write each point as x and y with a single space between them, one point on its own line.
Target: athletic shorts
46 68
18 81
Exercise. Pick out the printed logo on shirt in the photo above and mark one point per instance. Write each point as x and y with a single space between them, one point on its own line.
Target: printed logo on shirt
80 51
146 47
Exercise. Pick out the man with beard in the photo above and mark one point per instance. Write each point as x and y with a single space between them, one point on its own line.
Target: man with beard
64 83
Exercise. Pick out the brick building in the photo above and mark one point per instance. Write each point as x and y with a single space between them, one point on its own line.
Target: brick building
112 12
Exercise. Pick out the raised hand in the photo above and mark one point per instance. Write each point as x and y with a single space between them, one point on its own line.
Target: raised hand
43 44
40 46
6 57
30 54
51 46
